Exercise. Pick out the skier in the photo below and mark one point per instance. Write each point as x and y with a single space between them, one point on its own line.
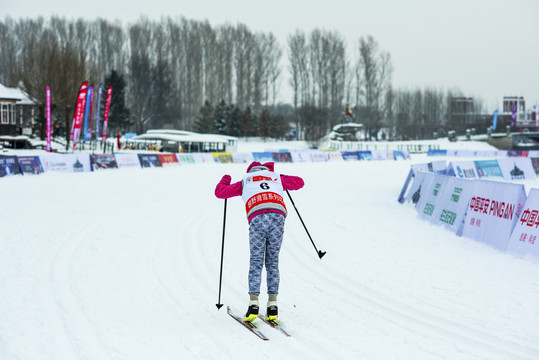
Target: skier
262 190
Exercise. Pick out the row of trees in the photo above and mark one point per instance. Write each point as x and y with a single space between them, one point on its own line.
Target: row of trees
169 73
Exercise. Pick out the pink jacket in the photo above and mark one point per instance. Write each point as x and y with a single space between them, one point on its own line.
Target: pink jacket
225 190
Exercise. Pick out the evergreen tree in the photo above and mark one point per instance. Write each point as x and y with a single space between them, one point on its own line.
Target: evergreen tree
233 127
264 125
279 126
205 123
221 116
247 123
119 116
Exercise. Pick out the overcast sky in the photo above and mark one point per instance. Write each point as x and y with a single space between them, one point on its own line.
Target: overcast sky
486 48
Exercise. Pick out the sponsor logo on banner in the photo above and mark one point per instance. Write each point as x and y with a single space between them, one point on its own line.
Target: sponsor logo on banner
524 237
493 210
519 168
454 203
9 165
431 197
168 160
30 164
488 168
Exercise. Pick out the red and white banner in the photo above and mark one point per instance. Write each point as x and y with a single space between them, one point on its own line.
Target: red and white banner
524 237
106 119
48 119
79 113
493 211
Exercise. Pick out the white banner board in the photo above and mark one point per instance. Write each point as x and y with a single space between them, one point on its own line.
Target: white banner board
127 160
493 211
462 169
453 204
517 168
66 163
430 198
524 237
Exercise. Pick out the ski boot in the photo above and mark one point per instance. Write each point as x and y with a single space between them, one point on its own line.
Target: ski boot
252 310
272 309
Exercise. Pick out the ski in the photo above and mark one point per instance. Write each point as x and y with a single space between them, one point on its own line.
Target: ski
249 325
276 324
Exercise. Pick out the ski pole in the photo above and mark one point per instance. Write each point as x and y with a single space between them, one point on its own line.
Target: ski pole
319 252
219 305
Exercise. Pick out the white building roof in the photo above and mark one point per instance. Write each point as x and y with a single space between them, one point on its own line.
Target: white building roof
16 94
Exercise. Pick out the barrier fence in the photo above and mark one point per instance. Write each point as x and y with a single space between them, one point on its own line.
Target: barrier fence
497 213
84 162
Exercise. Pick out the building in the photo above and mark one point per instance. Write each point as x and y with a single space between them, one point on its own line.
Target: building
17 112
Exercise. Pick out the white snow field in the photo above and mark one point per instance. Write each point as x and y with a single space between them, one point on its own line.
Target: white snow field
124 264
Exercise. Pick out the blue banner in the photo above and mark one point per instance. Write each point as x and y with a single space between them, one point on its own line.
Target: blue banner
30 164
495 120
9 166
85 135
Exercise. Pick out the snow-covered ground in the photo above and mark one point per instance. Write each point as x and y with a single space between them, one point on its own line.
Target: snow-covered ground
124 264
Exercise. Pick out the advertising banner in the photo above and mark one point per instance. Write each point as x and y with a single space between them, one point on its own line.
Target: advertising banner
419 196
9 166
79 113
462 169
168 160
380 155
433 152
243 157
48 113
129 160
186 159
488 168
149 160
430 199
493 211
535 164
106 116
333 156
438 167
517 169
66 163
350 155
30 164
224 158
365 155
318 156
104 161
263 157
300 156
282 157
411 190
523 239
453 204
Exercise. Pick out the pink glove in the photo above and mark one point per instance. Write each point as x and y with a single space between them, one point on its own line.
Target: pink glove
226 180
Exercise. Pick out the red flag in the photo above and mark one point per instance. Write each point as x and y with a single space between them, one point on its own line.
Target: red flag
107 107
79 112
118 140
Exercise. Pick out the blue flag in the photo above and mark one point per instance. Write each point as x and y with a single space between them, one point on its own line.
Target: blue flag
86 113
495 120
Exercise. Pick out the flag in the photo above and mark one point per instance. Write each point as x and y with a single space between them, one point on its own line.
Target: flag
86 113
495 120
79 113
514 115
48 119
91 112
537 113
98 114
107 107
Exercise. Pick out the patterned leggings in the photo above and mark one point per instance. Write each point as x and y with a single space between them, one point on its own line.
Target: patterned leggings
265 238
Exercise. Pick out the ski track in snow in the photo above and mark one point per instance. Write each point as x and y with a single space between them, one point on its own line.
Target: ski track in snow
130 270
